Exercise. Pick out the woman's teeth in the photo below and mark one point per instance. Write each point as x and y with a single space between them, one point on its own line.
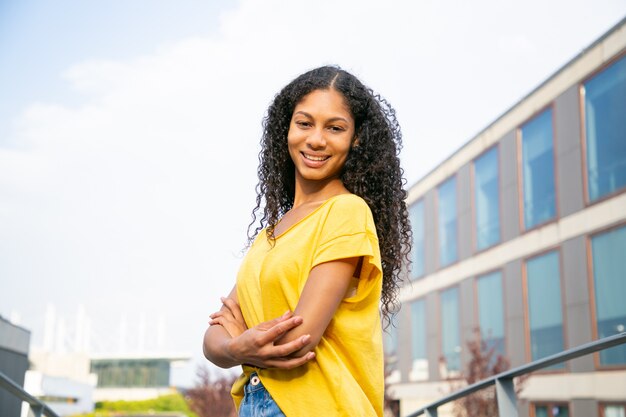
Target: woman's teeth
315 158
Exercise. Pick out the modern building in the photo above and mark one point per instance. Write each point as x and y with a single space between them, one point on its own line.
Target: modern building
134 377
14 343
521 235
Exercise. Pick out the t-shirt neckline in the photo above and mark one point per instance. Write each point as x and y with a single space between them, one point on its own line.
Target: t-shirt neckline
315 210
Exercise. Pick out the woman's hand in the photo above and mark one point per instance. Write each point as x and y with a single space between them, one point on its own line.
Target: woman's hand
256 346
229 317
228 341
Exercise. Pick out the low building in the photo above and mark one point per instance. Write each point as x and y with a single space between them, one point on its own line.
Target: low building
134 377
14 343
65 396
61 380
521 235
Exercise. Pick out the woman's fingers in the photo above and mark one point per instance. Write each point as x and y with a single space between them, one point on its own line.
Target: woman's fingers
222 315
277 328
233 308
287 349
267 325
256 345
289 363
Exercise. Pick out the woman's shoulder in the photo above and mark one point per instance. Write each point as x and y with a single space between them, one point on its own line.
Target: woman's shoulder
348 201
349 208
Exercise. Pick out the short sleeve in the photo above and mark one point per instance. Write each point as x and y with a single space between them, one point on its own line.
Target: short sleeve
348 232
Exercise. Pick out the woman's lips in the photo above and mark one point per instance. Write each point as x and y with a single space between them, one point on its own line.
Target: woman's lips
314 161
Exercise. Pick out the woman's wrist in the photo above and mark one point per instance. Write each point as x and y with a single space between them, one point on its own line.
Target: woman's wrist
229 352
217 347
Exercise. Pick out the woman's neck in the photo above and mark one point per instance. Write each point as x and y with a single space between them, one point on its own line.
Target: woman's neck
314 191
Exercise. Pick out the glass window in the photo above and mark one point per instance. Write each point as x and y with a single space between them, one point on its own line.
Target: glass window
416 212
131 373
419 370
551 410
391 341
487 199
544 306
450 338
614 411
605 130
392 373
609 275
447 222
491 311
538 170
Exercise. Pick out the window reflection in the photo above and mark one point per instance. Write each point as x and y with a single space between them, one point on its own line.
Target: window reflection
447 222
605 130
491 311
544 306
538 170
450 338
609 272
487 199
419 368
416 212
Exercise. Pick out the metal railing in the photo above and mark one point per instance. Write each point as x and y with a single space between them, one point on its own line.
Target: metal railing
37 407
505 390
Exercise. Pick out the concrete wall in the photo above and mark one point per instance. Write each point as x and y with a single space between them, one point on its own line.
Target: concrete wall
509 186
404 339
568 152
433 334
577 303
514 313
468 318
430 233
465 222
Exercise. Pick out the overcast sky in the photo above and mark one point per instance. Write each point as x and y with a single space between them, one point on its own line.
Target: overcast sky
129 132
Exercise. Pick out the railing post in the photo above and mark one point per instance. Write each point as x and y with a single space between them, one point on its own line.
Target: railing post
506 397
431 412
37 410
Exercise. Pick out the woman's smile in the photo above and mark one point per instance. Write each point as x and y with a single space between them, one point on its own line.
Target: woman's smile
320 135
314 158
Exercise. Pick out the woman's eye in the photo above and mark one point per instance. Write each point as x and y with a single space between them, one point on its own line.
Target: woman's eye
303 124
337 128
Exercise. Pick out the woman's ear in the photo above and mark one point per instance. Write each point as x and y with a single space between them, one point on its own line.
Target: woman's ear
355 142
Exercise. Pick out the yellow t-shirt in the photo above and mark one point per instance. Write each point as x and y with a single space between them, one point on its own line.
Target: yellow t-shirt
346 376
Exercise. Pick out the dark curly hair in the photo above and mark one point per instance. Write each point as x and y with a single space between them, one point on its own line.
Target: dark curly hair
372 169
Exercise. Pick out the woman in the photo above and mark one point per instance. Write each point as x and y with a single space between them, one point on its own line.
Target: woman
333 237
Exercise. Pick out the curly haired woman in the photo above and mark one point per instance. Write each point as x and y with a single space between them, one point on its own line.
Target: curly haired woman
303 319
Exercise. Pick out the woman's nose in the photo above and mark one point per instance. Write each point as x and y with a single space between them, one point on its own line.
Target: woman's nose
316 139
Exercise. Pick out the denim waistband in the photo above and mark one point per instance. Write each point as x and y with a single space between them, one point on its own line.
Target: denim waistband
254 384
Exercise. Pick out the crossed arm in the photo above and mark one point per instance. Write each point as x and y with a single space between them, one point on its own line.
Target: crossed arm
285 342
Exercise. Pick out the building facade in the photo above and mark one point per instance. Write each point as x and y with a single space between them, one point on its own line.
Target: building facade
61 380
520 236
134 377
14 343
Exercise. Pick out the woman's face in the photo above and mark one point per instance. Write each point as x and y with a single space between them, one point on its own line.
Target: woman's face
320 135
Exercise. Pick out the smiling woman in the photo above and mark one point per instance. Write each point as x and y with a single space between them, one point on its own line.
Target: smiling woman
304 316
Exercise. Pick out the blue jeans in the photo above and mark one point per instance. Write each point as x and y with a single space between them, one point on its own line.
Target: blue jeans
257 402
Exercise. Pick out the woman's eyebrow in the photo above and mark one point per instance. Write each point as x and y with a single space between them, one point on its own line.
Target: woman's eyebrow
342 119
332 119
303 113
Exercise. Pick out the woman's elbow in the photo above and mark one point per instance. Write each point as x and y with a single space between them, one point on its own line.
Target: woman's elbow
212 352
